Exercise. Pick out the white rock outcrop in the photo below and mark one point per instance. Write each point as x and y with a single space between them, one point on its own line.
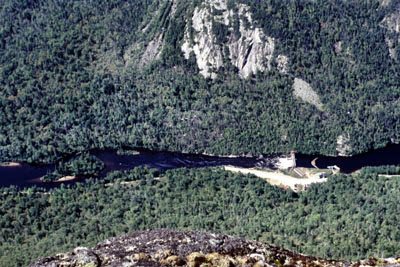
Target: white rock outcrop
282 63
392 23
207 54
249 51
343 146
385 2
153 51
304 91
338 47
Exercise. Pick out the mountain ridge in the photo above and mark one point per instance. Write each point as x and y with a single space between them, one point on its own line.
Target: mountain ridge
138 67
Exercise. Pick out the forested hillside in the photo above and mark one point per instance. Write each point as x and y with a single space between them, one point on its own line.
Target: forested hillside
348 217
76 75
218 77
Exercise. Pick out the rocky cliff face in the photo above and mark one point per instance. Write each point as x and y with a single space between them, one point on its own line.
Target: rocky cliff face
392 23
343 146
190 248
140 54
243 45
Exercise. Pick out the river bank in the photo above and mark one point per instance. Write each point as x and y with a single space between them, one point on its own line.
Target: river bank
10 164
26 175
66 179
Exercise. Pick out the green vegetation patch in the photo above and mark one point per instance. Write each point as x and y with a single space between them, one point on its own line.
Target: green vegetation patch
386 169
348 217
83 165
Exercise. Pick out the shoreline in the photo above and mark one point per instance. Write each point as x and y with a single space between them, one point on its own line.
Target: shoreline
231 156
65 179
10 164
127 152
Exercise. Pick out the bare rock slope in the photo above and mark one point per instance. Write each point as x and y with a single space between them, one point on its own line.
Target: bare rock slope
392 23
245 46
304 91
189 248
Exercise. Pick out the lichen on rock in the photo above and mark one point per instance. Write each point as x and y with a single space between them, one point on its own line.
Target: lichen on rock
162 247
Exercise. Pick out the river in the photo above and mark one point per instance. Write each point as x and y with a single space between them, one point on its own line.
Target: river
29 175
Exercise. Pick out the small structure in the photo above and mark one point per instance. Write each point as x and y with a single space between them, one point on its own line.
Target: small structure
293 157
323 175
300 173
334 168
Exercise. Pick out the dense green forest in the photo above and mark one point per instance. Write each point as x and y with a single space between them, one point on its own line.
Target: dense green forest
383 170
348 217
68 82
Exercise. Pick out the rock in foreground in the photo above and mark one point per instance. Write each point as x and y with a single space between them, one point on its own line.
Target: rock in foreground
189 248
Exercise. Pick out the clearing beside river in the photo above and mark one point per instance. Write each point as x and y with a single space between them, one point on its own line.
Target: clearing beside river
278 178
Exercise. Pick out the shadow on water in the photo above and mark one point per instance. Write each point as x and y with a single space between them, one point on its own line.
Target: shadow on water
386 156
28 175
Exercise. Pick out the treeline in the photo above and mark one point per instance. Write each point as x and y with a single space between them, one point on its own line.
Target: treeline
348 217
386 169
67 84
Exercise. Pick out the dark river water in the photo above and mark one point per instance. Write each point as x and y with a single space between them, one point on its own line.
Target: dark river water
28 175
